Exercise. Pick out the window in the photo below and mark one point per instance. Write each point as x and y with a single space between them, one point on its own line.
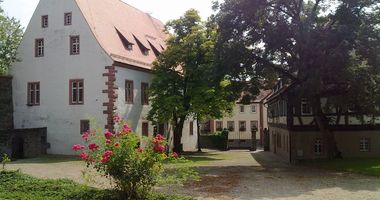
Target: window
34 94
305 107
242 126
145 129
68 19
129 92
254 125
144 94
219 125
127 45
84 126
241 108
231 125
253 108
191 128
44 21
76 92
74 45
39 48
364 145
318 147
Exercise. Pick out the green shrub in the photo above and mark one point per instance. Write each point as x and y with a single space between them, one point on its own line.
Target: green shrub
134 165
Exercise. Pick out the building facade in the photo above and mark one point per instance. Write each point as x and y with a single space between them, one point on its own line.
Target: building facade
83 61
243 119
295 136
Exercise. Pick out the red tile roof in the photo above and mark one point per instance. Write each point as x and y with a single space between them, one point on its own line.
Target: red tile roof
108 17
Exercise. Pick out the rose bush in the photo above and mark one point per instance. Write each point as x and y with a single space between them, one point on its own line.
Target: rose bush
134 165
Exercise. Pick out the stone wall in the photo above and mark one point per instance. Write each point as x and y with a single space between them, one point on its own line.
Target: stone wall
6 104
23 143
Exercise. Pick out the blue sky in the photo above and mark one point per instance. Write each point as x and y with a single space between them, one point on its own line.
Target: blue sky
161 9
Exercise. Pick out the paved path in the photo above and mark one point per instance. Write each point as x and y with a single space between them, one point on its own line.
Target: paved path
260 175
237 175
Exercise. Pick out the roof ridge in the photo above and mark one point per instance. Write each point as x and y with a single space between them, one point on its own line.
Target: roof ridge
140 10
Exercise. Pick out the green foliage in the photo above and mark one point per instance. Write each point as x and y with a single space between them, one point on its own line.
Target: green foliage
132 164
182 86
4 160
10 37
323 48
15 185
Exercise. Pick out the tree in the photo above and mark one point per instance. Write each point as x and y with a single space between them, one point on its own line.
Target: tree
330 48
10 37
181 86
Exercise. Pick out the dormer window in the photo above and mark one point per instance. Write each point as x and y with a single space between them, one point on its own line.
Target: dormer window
127 45
143 48
44 21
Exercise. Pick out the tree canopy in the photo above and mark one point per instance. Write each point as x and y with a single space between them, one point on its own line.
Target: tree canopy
10 37
330 48
182 87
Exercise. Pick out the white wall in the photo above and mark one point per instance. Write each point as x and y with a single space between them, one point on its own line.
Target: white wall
136 113
246 116
54 71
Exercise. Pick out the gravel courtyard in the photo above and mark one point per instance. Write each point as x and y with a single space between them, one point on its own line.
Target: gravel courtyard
240 175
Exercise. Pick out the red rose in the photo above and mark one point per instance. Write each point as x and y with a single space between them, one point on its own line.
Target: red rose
93 146
84 156
77 147
108 134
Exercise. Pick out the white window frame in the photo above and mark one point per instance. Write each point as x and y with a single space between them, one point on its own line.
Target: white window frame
318 147
240 109
253 108
364 144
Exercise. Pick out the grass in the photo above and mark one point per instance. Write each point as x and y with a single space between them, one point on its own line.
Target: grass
15 185
362 166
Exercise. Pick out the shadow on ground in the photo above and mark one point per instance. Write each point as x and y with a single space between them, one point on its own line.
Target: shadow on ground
269 178
47 159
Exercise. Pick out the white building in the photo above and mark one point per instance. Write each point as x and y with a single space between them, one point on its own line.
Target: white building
82 60
243 119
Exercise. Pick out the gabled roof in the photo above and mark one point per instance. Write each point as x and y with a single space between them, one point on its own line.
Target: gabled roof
111 19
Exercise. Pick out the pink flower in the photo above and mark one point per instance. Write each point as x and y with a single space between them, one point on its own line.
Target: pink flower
159 148
106 156
105 160
117 119
93 146
117 144
126 128
85 136
84 156
140 150
77 147
108 141
107 153
159 137
175 155
108 134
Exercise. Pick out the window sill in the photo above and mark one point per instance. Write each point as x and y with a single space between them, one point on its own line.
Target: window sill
31 105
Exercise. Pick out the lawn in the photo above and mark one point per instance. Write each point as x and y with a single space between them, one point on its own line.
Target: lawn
362 166
15 185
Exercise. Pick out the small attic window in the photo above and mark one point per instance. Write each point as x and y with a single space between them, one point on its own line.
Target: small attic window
144 49
127 45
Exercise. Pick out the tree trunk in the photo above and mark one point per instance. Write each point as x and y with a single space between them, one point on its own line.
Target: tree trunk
178 135
324 127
